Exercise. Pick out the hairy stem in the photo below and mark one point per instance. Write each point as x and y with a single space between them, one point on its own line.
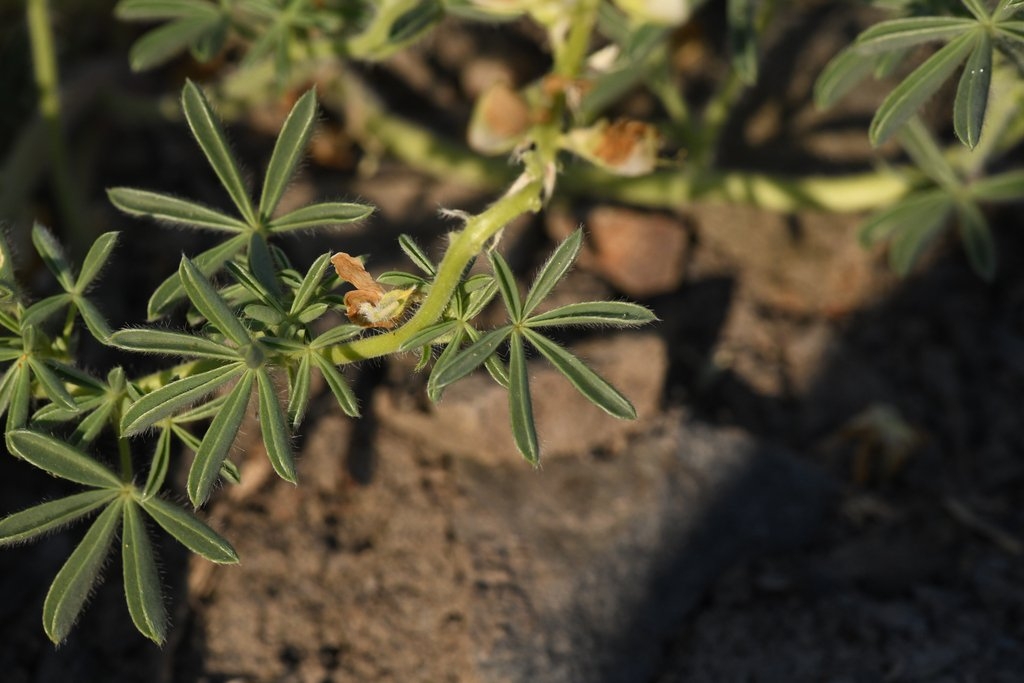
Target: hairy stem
464 248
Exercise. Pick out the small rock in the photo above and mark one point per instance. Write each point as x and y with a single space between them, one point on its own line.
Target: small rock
472 418
641 254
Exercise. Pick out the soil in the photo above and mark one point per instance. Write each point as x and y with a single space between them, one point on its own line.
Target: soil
825 482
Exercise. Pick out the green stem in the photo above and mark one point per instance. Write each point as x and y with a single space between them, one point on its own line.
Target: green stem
677 188
376 41
125 454
570 55
423 149
463 249
44 61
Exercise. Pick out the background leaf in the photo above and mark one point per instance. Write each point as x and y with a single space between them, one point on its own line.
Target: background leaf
909 95
977 239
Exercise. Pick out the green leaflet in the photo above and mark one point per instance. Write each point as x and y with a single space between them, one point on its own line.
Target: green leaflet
60 459
274 426
289 148
73 583
905 98
520 405
37 520
189 531
217 441
208 133
587 382
141 581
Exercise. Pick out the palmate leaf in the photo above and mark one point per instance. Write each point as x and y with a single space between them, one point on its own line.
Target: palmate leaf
336 335
7 384
977 8
289 148
61 459
587 382
218 440
909 95
92 424
208 133
141 581
40 519
74 582
94 320
520 405
481 290
21 398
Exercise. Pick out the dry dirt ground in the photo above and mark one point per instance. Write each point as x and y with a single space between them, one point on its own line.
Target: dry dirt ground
826 481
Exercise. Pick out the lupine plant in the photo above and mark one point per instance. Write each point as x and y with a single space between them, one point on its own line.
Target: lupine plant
254 319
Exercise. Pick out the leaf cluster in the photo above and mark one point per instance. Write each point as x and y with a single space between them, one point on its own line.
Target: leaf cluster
253 329
977 36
